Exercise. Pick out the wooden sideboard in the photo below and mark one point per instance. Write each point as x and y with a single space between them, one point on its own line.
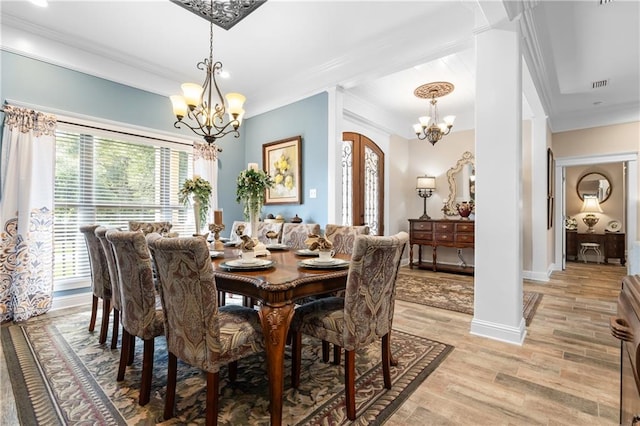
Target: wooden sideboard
440 233
612 244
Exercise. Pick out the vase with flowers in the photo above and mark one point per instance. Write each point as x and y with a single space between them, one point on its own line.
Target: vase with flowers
199 191
251 188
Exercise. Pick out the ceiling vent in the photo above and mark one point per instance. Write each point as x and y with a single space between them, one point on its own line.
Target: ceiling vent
605 1
599 84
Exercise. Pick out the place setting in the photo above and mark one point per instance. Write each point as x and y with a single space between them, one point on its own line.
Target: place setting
249 264
323 255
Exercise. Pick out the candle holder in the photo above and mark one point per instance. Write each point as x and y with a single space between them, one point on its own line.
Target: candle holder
216 228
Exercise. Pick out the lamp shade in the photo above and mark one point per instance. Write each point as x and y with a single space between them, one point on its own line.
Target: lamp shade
591 205
426 182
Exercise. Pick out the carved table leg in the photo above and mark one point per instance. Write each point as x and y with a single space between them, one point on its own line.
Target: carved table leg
435 258
275 322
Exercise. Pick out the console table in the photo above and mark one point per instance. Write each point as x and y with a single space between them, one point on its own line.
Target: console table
440 233
612 244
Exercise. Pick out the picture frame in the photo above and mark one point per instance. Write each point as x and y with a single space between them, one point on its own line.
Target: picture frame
282 161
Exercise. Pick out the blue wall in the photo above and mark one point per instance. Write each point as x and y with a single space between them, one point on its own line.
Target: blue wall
49 86
306 118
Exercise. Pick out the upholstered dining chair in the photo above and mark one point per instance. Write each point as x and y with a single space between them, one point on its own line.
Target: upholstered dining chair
162 228
101 234
265 227
139 315
233 237
343 237
100 280
295 234
362 316
198 331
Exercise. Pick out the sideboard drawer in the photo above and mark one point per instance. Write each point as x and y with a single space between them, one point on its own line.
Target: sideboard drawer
422 236
444 236
421 226
464 238
464 227
444 227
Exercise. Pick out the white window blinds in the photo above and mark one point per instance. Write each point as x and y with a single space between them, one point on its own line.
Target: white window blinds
108 180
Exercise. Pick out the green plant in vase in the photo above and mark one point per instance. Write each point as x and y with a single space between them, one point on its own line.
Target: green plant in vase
200 191
251 188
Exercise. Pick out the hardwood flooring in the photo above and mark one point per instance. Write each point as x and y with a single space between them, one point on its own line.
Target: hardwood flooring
565 373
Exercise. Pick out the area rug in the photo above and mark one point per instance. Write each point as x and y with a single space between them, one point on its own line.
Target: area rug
452 295
62 375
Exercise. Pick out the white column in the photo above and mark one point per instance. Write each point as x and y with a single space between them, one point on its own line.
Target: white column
498 250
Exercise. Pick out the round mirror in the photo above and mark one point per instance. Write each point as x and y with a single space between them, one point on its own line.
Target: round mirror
595 184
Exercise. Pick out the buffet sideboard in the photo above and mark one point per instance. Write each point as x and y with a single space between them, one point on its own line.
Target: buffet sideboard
440 233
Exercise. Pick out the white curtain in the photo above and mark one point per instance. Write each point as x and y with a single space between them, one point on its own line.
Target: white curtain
205 164
26 213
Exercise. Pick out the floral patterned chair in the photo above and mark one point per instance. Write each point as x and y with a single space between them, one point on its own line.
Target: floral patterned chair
233 237
343 237
100 280
101 234
140 316
295 234
162 228
265 227
363 316
198 331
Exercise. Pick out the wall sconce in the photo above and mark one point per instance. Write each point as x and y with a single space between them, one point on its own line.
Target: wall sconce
425 185
590 206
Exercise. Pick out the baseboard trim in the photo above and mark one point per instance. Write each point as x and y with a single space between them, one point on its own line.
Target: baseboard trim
501 332
536 276
63 302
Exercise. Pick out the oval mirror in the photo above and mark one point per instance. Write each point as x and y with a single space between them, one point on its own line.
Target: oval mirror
595 184
462 184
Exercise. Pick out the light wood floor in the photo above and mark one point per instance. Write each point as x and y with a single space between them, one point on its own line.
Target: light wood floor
566 373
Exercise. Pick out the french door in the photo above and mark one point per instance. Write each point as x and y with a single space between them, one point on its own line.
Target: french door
362 182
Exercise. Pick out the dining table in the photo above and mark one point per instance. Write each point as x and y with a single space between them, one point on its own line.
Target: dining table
276 282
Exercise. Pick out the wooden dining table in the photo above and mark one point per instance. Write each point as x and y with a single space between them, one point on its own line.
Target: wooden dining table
277 289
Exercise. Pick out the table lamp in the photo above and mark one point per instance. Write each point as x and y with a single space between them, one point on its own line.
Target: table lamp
590 206
424 187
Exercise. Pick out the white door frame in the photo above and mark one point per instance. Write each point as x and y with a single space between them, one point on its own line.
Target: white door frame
631 159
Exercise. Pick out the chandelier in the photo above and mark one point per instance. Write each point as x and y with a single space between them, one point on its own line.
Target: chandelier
204 104
429 128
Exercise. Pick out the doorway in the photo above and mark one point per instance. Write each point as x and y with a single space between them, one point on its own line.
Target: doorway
629 194
362 163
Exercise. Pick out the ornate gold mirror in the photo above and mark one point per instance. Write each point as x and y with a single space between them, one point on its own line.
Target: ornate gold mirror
462 184
594 184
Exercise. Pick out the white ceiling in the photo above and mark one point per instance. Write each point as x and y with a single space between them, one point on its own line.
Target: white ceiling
377 51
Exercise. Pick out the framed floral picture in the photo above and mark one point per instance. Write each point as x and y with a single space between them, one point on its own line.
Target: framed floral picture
281 160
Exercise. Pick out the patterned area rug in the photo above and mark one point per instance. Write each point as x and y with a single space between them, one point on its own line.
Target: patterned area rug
450 295
61 375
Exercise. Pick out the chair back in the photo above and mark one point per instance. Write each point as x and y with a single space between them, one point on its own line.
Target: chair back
233 237
162 228
343 237
100 279
264 227
370 294
189 299
295 234
101 234
137 290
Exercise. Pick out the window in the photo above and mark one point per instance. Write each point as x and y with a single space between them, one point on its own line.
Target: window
109 179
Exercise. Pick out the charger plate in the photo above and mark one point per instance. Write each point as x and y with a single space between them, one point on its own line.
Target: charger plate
240 265
318 264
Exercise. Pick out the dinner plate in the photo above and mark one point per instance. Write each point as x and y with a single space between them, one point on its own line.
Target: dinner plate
277 247
214 253
255 264
613 226
307 252
318 264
